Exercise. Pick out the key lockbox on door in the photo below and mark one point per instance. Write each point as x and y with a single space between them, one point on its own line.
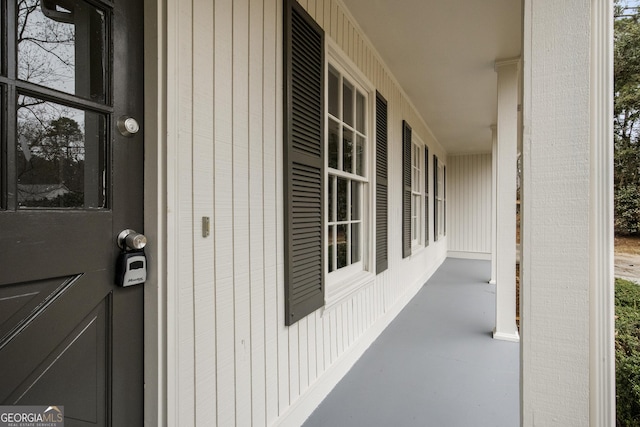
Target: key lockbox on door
131 267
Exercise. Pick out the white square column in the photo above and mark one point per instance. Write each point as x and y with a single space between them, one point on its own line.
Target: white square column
567 313
506 155
494 183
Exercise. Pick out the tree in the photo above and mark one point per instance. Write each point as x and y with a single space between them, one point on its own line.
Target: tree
45 45
63 140
626 118
55 153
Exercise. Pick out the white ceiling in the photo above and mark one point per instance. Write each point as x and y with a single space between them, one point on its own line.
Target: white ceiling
442 52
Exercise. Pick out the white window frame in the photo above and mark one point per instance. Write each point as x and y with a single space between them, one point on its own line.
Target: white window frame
344 281
419 193
440 200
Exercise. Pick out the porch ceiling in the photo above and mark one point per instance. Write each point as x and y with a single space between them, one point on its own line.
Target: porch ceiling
443 53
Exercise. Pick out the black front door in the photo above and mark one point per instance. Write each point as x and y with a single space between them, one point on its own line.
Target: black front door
70 181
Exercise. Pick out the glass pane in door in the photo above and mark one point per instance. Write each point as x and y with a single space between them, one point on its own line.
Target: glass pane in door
60 155
61 45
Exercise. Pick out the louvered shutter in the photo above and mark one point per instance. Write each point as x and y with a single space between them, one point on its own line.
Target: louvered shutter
426 196
303 163
382 233
406 189
435 198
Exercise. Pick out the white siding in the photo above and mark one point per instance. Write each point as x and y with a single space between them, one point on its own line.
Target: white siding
204 249
469 205
231 359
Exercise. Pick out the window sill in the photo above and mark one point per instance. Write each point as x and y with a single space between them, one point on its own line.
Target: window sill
416 248
340 291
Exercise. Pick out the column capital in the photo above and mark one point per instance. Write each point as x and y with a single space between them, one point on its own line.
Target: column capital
499 63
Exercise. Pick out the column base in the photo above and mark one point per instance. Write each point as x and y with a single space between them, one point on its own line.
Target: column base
513 337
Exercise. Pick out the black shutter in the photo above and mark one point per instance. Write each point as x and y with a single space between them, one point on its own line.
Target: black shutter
303 163
426 195
406 189
382 233
435 198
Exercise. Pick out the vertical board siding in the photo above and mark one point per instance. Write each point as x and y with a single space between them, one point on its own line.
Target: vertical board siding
283 331
256 213
203 199
270 201
469 203
238 363
240 211
223 214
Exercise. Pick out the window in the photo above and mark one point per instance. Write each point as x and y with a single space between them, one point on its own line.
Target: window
444 200
415 204
426 196
347 188
60 158
416 193
439 201
326 157
419 194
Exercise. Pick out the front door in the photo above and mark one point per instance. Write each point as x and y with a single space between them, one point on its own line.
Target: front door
70 181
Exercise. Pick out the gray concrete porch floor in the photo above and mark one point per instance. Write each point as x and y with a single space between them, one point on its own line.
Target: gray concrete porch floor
436 364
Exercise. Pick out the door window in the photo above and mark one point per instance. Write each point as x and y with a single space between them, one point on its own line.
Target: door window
60 155
60 45
58 111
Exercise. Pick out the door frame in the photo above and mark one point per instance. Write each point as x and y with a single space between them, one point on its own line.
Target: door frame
155 191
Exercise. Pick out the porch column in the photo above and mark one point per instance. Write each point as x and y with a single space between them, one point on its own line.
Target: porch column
506 183
567 311
494 181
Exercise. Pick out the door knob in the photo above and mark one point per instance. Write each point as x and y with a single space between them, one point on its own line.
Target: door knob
131 239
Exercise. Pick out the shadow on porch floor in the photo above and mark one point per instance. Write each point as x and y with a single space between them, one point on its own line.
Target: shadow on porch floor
436 364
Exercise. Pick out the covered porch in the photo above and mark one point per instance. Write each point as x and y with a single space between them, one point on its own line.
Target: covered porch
472 83
436 364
